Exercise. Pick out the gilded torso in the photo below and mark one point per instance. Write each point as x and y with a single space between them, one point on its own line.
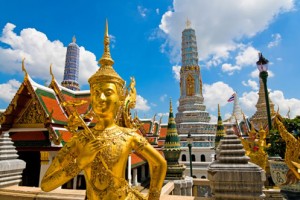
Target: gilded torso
105 175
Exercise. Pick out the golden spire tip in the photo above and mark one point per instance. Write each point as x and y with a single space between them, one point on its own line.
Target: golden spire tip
23 66
106 28
51 72
171 109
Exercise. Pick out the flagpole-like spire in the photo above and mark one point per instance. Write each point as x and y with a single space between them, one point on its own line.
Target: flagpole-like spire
106 60
171 108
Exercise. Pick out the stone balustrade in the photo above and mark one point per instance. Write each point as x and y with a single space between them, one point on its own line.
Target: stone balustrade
35 193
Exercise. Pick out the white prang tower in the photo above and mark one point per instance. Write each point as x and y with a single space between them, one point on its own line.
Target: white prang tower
192 117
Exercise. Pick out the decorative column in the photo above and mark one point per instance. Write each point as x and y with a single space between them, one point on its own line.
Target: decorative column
129 170
11 168
135 181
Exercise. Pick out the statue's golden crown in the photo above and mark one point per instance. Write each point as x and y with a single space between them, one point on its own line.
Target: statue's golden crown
106 72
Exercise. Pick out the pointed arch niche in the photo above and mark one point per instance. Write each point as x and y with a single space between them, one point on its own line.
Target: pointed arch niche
190 85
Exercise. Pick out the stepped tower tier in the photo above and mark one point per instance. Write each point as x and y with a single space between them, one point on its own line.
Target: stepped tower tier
72 67
260 116
192 116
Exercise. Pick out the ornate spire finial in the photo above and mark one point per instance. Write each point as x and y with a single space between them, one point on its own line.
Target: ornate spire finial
188 23
23 67
51 73
74 39
171 108
219 112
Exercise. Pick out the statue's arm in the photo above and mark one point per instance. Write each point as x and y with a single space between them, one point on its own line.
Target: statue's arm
157 165
63 168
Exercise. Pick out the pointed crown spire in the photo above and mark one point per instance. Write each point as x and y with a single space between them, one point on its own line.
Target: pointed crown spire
106 72
219 112
106 58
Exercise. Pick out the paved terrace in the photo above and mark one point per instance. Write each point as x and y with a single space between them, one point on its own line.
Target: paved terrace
35 193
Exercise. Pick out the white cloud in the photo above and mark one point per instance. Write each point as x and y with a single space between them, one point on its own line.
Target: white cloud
142 11
176 72
276 40
112 40
215 94
230 69
284 104
141 104
163 97
248 102
248 56
255 73
217 26
40 52
9 89
251 83
157 11
227 116
213 118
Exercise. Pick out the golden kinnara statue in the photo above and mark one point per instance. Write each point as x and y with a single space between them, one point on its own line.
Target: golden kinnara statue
102 151
255 148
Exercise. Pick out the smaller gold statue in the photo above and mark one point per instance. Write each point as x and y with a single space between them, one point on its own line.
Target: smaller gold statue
255 148
102 151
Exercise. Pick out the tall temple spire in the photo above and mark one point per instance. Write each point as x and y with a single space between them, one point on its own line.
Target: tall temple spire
237 114
192 116
260 116
71 66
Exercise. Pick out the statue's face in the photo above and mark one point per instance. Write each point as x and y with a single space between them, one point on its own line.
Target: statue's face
105 100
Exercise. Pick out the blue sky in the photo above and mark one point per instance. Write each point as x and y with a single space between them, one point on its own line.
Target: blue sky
145 43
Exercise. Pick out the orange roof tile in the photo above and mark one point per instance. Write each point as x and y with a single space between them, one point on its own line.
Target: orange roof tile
52 104
147 126
163 132
136 160
65 135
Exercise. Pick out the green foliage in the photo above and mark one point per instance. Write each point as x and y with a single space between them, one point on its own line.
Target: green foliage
277 144
293 126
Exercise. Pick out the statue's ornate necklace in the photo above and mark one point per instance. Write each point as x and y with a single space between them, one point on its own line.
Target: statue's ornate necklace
112 142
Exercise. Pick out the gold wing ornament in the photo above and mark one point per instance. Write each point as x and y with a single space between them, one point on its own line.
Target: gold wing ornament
292 152
125 119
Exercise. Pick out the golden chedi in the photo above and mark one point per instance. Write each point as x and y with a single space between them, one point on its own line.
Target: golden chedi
102 151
